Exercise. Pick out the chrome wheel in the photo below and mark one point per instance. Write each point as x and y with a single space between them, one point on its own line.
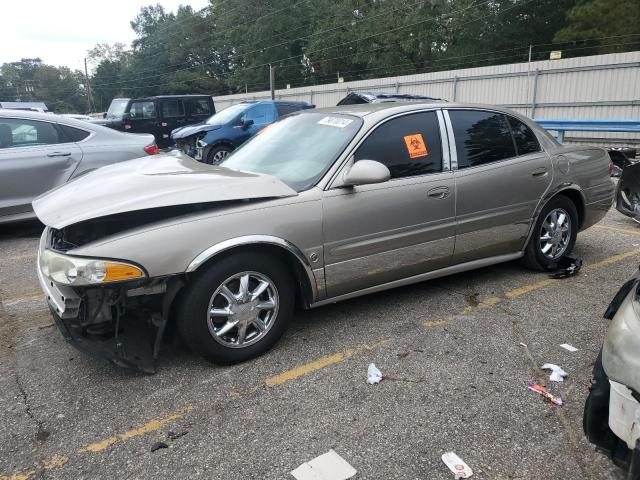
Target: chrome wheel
555 234
220 155
243 309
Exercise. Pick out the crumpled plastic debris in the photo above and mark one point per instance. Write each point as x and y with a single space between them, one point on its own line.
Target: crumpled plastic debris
373 374
171 435
557 373
568 266
545 393
456 465
566 346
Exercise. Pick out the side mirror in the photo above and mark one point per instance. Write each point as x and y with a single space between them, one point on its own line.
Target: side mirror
126 117
245 123
104 115
365 172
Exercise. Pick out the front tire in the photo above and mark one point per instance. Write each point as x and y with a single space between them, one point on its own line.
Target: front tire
217 154
238 308
554 234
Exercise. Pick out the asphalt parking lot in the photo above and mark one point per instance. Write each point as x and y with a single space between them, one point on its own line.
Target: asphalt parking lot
451 350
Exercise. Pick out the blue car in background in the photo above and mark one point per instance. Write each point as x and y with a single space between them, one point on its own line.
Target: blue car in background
212 140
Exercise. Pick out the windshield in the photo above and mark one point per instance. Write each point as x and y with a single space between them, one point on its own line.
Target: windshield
298 149
228 114
116 109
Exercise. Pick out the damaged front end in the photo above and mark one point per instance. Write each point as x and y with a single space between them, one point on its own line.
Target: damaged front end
612 410
628 192
105 307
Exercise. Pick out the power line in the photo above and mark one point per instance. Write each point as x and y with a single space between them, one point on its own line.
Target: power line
333 46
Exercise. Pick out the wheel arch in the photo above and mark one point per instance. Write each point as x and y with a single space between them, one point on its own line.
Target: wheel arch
292 257
573 193
218 143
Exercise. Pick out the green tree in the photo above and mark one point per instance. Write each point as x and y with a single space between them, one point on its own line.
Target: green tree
591 20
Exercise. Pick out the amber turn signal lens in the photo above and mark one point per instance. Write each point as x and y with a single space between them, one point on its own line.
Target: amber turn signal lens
119 271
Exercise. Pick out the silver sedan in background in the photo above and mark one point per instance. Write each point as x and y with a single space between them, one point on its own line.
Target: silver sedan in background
40 151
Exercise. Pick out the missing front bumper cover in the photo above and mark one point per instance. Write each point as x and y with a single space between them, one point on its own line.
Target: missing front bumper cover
129 331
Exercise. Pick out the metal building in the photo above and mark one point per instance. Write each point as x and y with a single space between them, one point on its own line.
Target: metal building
596 87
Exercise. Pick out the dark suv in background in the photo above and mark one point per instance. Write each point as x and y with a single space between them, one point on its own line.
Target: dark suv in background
157 115
212 140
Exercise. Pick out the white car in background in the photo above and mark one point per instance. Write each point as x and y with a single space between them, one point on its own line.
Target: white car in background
41 151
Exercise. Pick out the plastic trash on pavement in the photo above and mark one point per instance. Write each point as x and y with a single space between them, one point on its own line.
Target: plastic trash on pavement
373 374
329 466
457 465
571 348
557 373
545 393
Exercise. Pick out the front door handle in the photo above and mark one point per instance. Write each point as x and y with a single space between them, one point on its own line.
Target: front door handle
539 172
438 192
59 154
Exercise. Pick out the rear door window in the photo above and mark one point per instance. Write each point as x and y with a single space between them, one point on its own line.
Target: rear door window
481 137
142 110
199 106
409 145
172 108
287 108
25 133
261 114
526 141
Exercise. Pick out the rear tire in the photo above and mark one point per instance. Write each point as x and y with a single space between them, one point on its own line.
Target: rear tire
215 313
550 242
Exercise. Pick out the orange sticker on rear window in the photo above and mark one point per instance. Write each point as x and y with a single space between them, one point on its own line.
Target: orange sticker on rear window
415 145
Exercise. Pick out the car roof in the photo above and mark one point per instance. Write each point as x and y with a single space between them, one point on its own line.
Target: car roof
376 111
46 117
376 97
158 97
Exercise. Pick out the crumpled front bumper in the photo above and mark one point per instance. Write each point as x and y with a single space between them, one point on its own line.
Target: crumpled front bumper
132 316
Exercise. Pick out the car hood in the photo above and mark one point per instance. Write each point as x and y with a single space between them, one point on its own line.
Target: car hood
151 182
187 131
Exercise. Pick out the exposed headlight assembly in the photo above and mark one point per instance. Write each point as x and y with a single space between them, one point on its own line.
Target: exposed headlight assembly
77 271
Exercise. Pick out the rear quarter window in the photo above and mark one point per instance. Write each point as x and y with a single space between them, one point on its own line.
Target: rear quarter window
72 134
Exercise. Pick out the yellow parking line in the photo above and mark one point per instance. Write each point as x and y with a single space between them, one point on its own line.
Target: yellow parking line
59 460
17 257
297 372
616 229
318 364
150 426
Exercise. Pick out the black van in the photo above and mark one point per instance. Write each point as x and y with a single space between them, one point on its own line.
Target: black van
157 115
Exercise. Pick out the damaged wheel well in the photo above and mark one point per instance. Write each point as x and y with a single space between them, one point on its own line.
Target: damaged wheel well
304 289
578 201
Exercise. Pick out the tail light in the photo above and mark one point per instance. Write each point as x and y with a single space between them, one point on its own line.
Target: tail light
152 149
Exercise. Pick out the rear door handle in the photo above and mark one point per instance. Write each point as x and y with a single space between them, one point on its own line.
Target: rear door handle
539 172
59 154
438 192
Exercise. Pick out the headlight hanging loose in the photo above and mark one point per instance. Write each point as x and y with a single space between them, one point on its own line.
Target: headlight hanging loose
76 271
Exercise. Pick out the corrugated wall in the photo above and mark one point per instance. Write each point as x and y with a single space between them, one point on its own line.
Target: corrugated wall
595 87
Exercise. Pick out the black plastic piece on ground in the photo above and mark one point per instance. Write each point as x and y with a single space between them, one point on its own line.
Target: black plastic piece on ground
158 446
568 266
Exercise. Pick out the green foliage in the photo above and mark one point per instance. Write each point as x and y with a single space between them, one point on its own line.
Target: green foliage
60 88
228 46
591 20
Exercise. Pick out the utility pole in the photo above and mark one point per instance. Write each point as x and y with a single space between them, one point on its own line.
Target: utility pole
272 81
89 98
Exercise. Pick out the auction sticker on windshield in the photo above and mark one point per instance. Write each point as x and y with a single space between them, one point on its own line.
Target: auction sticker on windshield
335 122
415 145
